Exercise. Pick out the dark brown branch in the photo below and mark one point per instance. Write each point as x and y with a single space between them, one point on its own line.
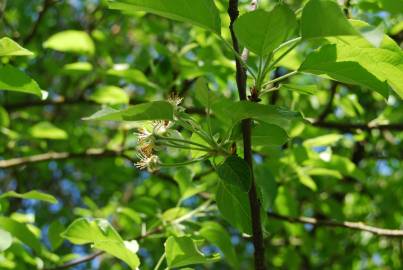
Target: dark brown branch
46 5
257 234
14 162
329 105
358 226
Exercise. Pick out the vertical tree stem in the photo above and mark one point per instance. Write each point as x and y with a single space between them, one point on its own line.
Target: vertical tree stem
246 132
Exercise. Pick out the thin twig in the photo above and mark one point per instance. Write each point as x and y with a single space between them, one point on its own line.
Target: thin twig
329 105
359 226
46 5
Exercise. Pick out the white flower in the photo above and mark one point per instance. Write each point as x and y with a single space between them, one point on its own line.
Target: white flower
151 163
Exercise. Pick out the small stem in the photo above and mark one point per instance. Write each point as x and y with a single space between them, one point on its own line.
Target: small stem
281 78
184 163
285 44
283 55
268 91
182 141
160 261
186 147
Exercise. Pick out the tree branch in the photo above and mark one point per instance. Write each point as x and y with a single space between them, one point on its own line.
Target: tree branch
351 127
358 226
329 105
257 234
94 152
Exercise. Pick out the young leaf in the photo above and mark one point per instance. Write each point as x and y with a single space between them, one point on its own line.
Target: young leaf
324 18
339 64
324 140
21 232
202 13
157 110
71 41
103 236
268 135
261 31
54 231
5 240
233 204
46 130
235 171
218 236
13 79
9 47
110 94
182 251
31 195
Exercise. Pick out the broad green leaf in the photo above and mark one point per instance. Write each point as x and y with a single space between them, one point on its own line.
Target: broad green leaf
324 140
21 232
261 31
46 130
157 110
110 94
324 18
54 231
202 13
31 195
268 135
235 171
71 41
78 68
301 89
5 240
339 63
393 6
102 236
267 185
182 251
9 47
233 204
218 236
13 79
231 112
323 172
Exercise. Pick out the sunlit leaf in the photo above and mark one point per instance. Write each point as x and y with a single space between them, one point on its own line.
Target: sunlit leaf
9 47
12 79
71 41
31 195
47 130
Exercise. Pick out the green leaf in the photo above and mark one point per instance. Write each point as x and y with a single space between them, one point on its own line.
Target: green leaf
233 112
305 179
46 130
324 140
5 240
9 47
324 18
395 7
71 41
261 31
341 64
233 204
182 251
301 89
157 110
135 76
21 232
268 135
235 171
110 94
218 236
202 13
13 79
4 118
103 236
267 185
54 231
31 195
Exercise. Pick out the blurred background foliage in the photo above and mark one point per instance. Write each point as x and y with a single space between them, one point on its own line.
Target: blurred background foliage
114 59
